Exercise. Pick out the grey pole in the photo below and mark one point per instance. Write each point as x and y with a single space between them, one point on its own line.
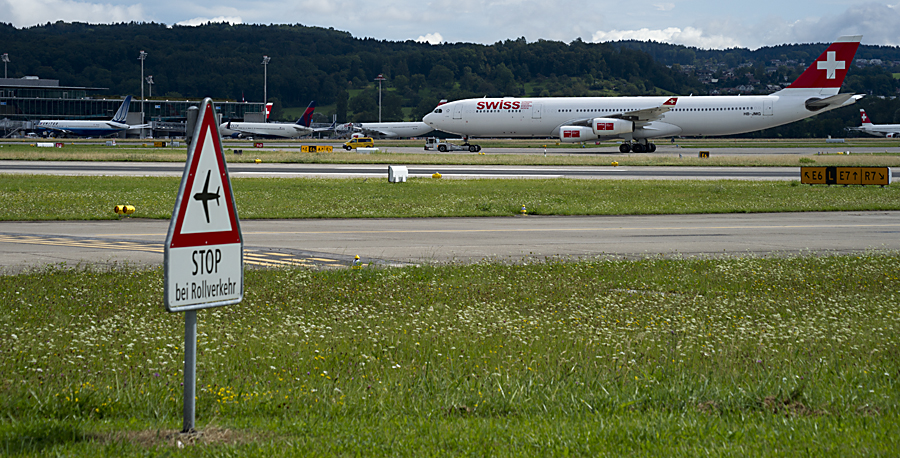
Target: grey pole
380 78
5 62
192 114
265 63
142 56
190 369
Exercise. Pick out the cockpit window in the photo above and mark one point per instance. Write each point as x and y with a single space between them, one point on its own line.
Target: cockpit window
438 110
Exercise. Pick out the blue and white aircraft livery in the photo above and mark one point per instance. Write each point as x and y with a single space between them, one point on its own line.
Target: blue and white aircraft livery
637 120
92 128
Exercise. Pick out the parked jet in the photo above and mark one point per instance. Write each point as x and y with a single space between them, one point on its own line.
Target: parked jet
91 128
392 129
637 120
878 130
270 130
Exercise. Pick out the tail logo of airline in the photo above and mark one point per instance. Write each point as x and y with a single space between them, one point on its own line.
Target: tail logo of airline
831 64
671 102
865 119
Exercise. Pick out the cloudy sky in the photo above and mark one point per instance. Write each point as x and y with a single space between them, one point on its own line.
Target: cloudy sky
701 23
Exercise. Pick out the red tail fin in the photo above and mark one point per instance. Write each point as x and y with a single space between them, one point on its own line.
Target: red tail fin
829 70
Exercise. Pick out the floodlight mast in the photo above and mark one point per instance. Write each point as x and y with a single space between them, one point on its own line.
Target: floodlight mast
379 78
265 64
5 58
142 56
149 80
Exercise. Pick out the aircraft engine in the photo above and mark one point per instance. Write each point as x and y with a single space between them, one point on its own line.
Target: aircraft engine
576 134
892 135
611 127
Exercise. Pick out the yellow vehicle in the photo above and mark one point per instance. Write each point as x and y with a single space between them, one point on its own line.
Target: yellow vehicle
359 142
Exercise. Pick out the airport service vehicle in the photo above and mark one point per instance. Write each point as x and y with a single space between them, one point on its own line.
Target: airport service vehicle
359 142
878 130
637 120
82 128
270 130
432 144
392 129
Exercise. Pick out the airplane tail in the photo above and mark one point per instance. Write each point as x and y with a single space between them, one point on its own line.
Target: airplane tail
122 113
825 76
268 110
306 119
865 119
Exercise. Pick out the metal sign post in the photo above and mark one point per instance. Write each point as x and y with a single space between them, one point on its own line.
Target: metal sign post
204 251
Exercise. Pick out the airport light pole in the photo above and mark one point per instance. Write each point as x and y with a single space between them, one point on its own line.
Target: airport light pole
5 61
379 78
142 56
149 80
265 63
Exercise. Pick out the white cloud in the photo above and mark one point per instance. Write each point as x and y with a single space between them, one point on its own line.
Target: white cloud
432 38
664 6
202 20
35 12
688 36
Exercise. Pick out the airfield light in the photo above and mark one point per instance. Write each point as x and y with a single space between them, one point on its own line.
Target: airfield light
265 63
379 78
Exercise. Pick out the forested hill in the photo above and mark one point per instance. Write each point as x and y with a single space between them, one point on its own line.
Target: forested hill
337 70
311 63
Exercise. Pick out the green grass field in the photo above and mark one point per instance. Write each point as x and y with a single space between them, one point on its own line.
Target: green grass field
85 198
656 357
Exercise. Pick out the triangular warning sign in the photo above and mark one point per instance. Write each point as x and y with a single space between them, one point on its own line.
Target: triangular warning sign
204 252
205 213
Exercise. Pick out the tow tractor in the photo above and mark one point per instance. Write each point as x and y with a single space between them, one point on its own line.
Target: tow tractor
432 143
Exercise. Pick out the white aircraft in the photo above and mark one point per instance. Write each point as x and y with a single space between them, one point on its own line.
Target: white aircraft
270 130
91 128
392 129
636 120
878 130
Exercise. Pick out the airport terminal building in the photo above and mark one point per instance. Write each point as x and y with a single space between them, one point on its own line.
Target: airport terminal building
26 101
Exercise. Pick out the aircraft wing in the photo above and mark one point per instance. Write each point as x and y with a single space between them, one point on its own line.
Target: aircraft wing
649 114
640 117
136 126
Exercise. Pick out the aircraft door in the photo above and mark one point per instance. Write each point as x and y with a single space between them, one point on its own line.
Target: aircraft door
767 107
457 111
536 111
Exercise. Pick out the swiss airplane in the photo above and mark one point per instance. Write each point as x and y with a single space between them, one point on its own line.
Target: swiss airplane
878 130
637 120
393 129
270 130
83 128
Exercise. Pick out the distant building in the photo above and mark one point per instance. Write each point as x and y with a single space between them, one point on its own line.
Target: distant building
25 101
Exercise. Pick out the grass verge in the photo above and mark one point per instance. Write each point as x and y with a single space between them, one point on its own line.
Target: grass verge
592 357
85 198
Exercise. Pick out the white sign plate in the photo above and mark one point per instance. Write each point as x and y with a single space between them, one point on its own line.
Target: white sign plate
204 252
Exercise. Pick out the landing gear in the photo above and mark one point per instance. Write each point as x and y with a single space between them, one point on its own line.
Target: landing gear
637 147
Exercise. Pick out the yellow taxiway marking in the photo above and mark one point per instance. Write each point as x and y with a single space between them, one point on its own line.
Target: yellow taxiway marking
256 258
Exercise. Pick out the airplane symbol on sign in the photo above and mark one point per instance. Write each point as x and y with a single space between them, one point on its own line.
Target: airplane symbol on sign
206 196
